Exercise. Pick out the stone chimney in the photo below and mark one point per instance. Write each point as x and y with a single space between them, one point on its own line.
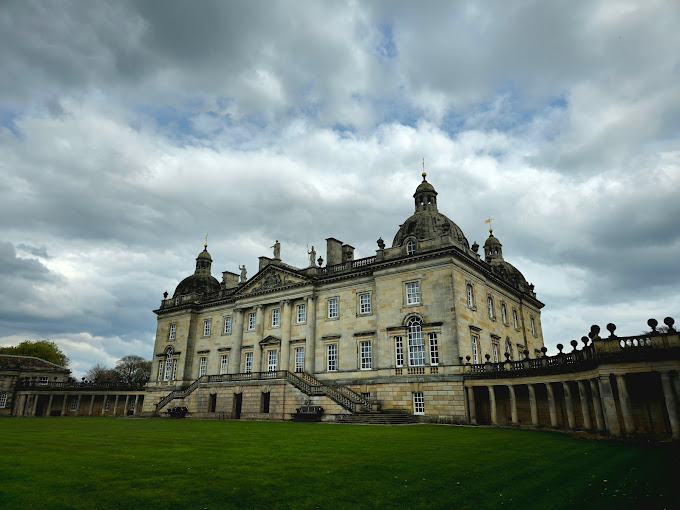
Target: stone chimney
347 252
229 280
334 252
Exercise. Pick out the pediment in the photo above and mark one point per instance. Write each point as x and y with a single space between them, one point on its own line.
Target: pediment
270 340
271 278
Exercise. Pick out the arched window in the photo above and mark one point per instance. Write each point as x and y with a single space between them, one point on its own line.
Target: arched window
410 247
491 307
416 343
168 363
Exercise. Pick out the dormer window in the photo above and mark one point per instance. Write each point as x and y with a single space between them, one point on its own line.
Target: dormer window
410 247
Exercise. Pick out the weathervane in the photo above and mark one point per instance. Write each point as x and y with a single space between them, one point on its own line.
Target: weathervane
424 174
489 220
206 241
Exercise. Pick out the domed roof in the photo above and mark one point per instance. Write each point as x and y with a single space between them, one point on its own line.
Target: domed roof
492 240
197 284
426 225
427 222
510 273
201 282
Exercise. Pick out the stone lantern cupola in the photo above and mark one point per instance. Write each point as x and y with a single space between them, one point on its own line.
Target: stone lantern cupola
493 249
425 196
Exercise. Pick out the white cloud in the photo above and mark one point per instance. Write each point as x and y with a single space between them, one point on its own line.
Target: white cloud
125 141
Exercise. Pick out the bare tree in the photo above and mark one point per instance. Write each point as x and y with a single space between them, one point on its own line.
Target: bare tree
133 369
100 373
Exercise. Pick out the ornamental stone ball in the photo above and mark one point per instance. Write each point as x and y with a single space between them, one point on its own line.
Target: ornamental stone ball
669 321
611 327
652 323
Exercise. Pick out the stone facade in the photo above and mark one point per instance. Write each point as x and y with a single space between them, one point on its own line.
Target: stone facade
390 330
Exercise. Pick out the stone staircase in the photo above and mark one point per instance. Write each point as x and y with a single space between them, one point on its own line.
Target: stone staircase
386 417
362 410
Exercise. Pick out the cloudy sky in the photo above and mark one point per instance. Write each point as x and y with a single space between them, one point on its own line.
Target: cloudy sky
129 130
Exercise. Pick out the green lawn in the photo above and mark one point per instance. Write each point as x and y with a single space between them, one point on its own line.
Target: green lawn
159 463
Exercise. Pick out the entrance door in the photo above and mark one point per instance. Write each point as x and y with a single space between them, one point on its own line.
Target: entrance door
213 403
238 401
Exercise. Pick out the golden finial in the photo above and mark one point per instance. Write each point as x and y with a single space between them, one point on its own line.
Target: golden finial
206 242
424 174
489 220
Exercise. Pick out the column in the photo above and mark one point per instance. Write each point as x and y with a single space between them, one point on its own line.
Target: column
78 405
471 405
63 405
237 332
91 405
513 404
21 405
285 335
624 401
49 405
259 331
115 406
551 404
310 344
534 407
671 407
585 409
136 404
597 405
569 404
106 398
492 405
609 406
125 408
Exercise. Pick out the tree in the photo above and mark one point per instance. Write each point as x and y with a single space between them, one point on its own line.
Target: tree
133 369
100 373
44 349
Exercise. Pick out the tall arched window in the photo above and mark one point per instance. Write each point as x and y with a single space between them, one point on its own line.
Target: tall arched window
416 343
168 363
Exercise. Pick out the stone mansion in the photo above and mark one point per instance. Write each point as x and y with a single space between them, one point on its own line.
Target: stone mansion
387 331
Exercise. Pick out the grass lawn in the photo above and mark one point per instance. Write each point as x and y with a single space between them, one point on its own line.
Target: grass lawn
160 463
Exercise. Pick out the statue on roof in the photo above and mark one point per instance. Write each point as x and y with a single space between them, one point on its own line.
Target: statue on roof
277 250
243 273
312 257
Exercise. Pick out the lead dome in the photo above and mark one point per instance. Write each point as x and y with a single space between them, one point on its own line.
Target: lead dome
427 222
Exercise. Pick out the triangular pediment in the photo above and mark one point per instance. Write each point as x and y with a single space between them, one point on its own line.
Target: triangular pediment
271 340
272 278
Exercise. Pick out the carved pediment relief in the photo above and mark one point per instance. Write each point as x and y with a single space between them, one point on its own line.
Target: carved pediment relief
271 278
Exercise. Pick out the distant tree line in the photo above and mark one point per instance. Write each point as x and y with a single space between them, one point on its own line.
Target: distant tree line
130 369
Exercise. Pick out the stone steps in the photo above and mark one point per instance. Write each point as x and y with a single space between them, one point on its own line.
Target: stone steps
392 417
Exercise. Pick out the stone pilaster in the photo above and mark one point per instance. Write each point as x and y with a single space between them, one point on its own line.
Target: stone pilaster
237 332
310 344
49 405
285 335
89 413
259 332
115 406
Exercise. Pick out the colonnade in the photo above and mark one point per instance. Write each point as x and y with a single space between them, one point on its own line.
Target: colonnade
28 404
601 399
